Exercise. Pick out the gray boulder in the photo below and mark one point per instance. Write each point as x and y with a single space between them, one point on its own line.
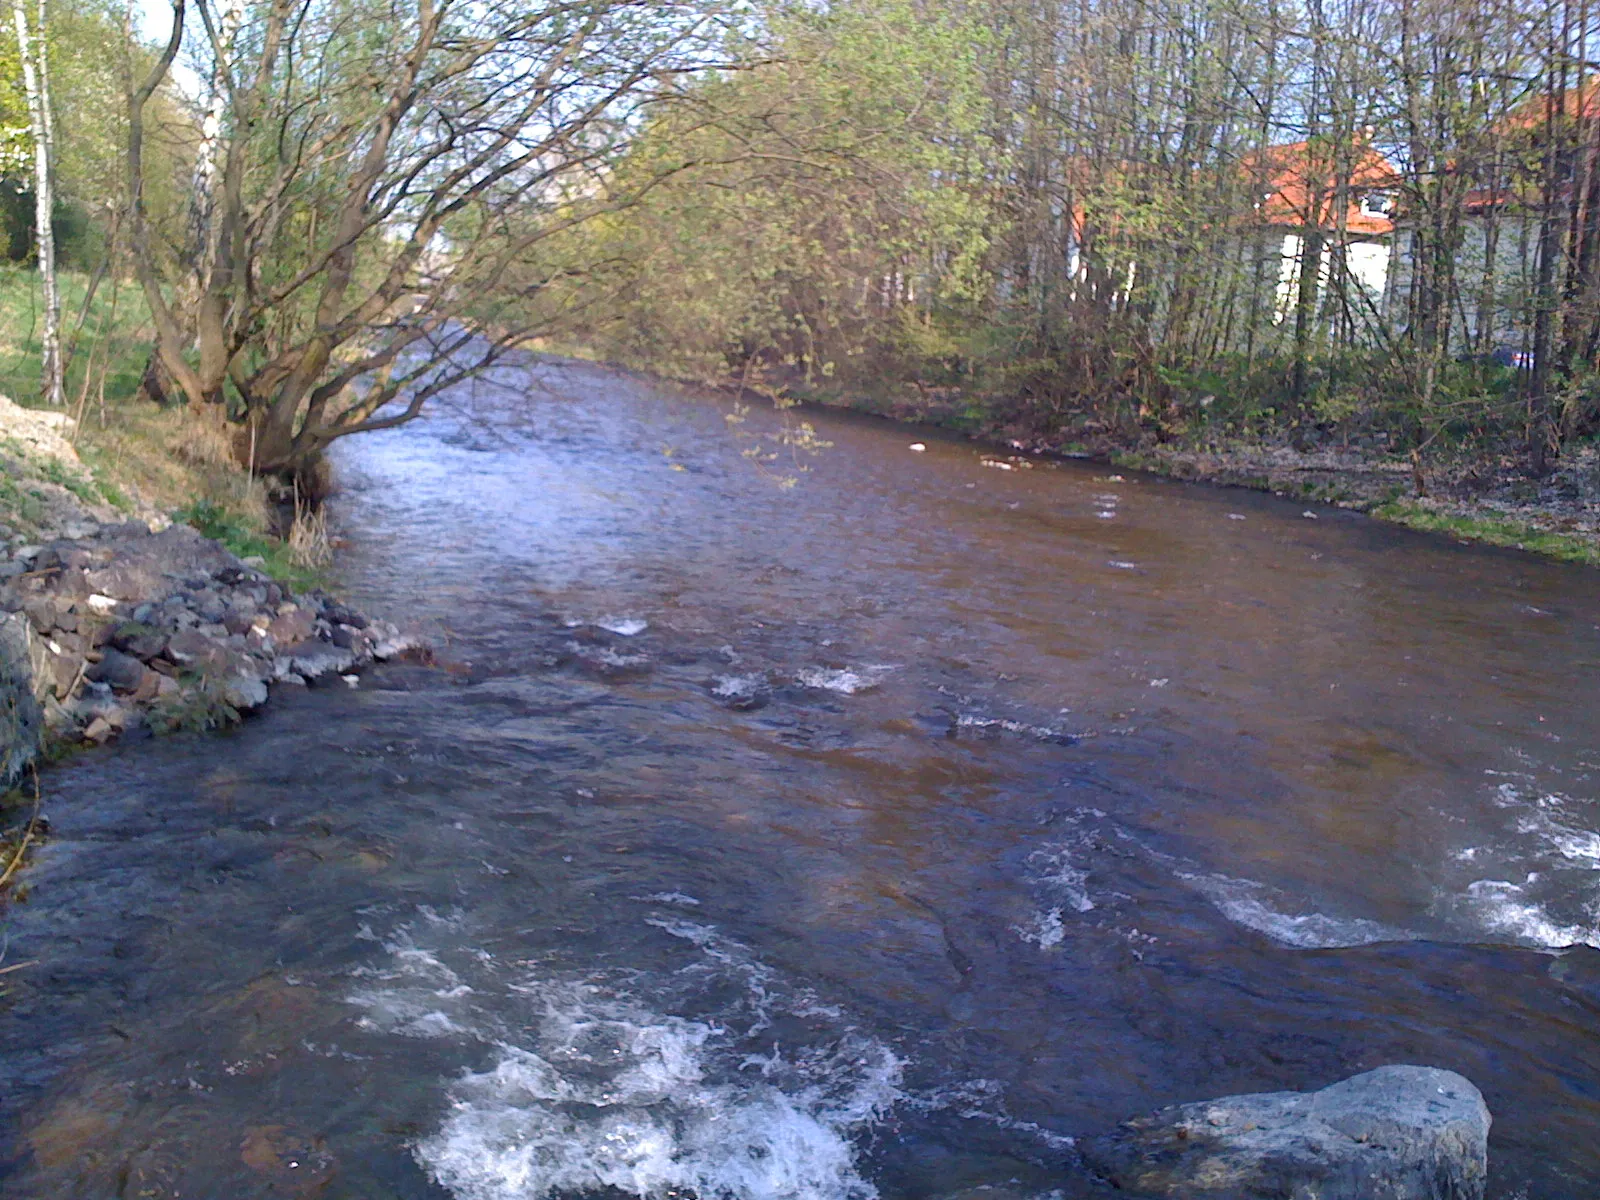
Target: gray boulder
1397 1133
21 718
147 566
244 691
122 672
312 659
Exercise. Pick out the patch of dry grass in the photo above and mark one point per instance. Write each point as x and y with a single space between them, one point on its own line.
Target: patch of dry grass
309 546
173 458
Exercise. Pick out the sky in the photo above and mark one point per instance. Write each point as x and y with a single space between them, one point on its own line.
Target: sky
155 25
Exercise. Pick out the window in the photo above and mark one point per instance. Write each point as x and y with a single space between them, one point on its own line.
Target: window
1375 204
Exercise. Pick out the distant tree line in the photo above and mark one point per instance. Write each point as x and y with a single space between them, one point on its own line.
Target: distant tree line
1315 219
1319 218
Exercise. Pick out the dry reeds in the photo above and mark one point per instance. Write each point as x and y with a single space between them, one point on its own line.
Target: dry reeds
309 546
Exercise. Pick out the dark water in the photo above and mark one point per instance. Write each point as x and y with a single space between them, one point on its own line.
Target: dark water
905 824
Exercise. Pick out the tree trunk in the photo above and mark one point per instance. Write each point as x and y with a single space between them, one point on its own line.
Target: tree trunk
36 83
209 161
1305 308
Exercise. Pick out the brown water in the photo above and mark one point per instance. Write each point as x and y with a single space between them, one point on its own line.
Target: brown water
904 825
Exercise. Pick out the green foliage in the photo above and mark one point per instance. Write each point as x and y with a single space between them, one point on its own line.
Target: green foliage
227 526
83 42
819 190
197 707
109 347
114 496
80 486
16 499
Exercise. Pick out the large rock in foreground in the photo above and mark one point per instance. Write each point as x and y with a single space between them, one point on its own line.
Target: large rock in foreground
1397 1133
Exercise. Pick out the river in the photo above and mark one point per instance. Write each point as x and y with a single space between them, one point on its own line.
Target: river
861 822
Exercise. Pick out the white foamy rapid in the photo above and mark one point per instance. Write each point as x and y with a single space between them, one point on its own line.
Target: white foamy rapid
593 1086
737 687
846 682
984 1100
1505 909
1244 902
626 626
605 656
1074 875
1043 733
1545 887
1062 882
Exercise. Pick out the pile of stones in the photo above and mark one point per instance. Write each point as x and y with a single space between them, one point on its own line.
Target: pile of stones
119 629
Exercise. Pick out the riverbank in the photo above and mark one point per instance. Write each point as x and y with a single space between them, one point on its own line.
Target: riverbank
118 621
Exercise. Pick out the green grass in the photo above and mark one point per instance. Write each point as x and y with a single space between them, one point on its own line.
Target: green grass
1493 531
84 489
108 349
215 521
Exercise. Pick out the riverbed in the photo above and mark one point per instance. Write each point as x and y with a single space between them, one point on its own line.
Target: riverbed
820 822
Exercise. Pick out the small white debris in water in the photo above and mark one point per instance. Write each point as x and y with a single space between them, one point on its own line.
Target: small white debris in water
102 603
1235 516
54 649
351 680
1114 479
1159 682
626 626
566 858
972 485
1106 514
918 447
1122 566
1309 515
997 464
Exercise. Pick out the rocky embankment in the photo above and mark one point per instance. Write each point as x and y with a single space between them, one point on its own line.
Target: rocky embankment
114 621
121 629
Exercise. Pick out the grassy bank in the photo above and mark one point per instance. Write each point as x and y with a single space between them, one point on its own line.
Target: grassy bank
129 456
1494 530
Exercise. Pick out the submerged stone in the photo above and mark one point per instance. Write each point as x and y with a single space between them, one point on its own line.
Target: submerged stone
1399 1133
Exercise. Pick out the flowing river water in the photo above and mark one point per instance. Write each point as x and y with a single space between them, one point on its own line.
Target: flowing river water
878 835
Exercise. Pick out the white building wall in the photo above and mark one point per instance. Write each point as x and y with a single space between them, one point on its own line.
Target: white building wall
1368 264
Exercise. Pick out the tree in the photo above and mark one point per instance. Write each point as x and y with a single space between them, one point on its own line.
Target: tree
384 173
31 45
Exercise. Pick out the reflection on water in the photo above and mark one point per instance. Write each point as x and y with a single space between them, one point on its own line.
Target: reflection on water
881 835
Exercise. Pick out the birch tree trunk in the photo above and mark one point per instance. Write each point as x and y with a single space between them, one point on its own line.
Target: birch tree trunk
209 161
36 83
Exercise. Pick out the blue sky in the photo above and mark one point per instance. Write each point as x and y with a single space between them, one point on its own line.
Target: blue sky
155 25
